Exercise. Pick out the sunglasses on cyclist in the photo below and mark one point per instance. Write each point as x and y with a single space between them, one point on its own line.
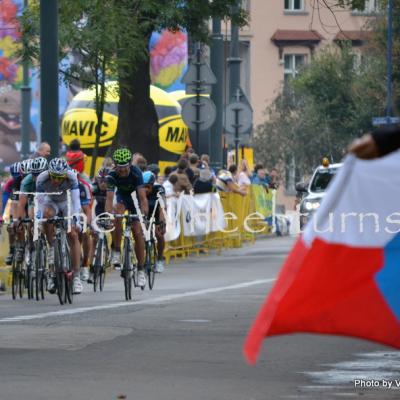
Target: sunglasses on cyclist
57 177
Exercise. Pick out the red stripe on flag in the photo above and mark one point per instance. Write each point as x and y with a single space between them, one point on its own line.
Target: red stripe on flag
329 288
265 317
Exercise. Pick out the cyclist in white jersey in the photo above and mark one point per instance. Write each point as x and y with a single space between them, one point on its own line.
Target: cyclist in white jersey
59 179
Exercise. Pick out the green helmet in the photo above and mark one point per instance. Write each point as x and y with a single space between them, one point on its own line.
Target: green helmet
122 156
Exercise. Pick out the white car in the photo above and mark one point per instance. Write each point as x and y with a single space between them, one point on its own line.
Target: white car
315 190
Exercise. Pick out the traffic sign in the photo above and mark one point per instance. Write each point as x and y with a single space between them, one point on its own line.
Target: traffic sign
238 118
194 89
376 121
245 140
199 72
199 113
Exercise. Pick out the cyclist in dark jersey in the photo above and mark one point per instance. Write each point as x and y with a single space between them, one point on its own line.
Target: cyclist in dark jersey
18 171
124 180
154 191
99 193
99 190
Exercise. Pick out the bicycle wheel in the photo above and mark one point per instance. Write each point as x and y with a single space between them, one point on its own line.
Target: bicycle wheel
127 271
14 279
38 268
21 281
43 270
69 277
60 275
30 272
105 265
97 264
151 259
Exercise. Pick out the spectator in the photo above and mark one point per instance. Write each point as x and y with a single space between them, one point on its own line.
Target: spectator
43 150
135 157
193 174
76 160
167 172
226 181
205 161
204 184
244 174
75 145
169 186
274 179
108 162
183 184
141 163
155 169
260 176
205 158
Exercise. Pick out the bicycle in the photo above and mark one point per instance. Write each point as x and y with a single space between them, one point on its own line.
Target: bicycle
101 260
22 268
127 271
62 261
41 271
151 253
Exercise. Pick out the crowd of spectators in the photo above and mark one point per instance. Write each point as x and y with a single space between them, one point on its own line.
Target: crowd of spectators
193 174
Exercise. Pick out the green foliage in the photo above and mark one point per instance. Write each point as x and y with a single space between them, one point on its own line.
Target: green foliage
319 112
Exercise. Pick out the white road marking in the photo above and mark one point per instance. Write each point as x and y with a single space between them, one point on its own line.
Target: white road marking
156 300
197 321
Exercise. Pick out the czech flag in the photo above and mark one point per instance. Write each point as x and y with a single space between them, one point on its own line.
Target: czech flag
343 275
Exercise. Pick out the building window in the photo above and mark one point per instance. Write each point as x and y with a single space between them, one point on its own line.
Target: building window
294 5
292 64
370 7
246 5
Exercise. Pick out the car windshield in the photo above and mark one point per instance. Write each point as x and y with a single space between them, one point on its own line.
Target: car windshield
321 179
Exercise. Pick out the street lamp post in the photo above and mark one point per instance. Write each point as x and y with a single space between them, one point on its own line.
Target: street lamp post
26 106
217 65
49 74
234 61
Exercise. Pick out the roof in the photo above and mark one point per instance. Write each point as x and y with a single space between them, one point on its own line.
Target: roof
354 36
330 166
283 36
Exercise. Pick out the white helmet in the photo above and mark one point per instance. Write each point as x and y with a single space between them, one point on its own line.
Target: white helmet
58 166
26 166
38 165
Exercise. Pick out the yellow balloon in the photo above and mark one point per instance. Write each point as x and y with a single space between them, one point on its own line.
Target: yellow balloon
80 122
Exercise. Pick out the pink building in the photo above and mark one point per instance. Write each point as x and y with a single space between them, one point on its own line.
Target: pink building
283 34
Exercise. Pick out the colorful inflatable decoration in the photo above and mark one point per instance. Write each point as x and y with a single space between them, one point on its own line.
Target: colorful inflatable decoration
168 59
80 121
10 71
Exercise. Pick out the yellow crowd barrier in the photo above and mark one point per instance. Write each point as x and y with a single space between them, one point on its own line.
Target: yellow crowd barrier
243 225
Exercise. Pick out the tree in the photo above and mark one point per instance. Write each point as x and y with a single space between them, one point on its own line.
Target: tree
120 38
319 112
137 115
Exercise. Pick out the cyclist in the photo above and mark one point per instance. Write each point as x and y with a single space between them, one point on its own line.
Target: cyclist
17 170
60 178
125 179
99 191
153 192
25 201
76 161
